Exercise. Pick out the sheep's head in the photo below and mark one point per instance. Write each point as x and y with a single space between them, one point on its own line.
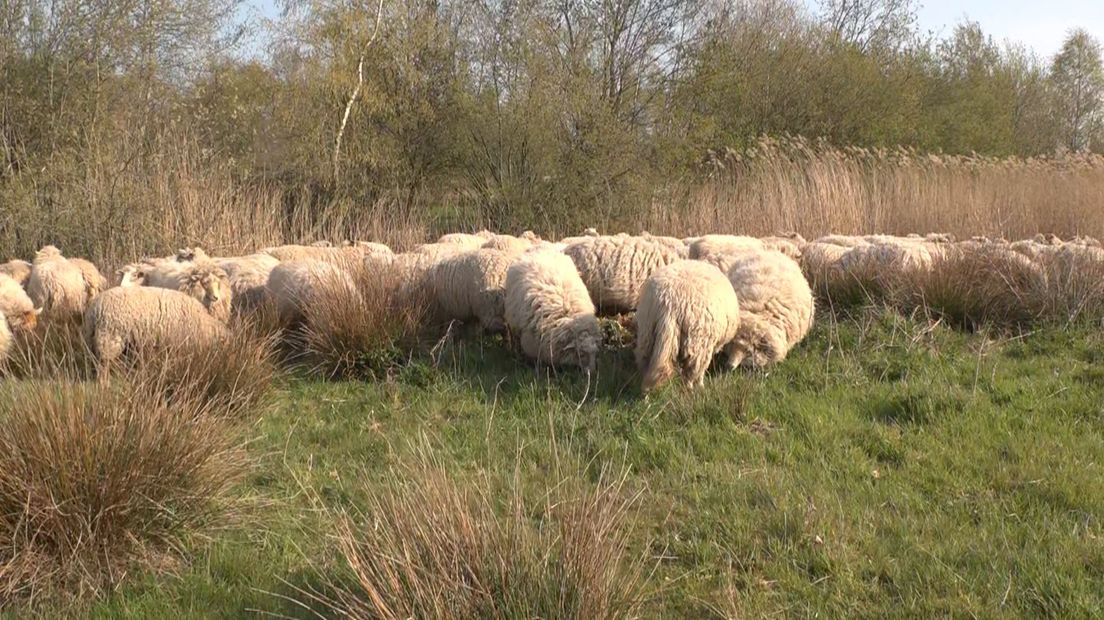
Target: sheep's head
210 285
26 321
19 270
133 274
191 255
48 252
583 340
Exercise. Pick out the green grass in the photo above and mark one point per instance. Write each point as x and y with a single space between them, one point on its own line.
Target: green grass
887 468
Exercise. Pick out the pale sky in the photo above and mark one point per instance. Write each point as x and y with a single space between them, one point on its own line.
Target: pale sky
1040 25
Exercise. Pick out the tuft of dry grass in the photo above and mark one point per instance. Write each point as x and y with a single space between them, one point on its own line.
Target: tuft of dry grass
360 331
97 479
434 546
234 376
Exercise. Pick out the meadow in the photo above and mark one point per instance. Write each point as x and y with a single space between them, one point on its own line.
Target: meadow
890 467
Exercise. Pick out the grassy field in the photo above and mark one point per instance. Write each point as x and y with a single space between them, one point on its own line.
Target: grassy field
888 468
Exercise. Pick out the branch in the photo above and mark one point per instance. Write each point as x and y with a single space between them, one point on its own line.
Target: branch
353 96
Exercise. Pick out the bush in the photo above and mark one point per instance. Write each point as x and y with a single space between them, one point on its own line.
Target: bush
97 479
361 331
433 546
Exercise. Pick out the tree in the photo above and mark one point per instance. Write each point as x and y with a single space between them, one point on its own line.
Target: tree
1077 76
871 25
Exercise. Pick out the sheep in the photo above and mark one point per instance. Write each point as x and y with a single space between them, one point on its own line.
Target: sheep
247 277
550 313
708 246
473 285
466 240
205 281
776 308
847 241
881 267
820 262
123 319
511 244
16 306
369 248
789 244
94 282
6 341
688 311
19 270
295 285
57 286
614 268
337 256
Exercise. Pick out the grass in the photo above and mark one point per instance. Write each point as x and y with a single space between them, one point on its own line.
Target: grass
889 468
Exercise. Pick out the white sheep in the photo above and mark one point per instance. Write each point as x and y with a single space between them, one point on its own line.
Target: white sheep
549 311
776 308
247 277
6 340
15 305
708 247
19 270
336 255
688 312
614 268
467 241
294 286
511 244
205 281
473 285
789 244
57 286
94 282
124 319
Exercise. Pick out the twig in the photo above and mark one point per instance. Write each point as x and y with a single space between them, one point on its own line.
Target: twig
356 93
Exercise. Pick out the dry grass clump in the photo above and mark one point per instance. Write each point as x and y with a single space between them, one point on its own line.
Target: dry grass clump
97 479
361 331
234 376
51 350
433 546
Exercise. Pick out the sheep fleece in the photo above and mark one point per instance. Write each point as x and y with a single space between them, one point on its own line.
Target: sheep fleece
473 285
688 312
614 268
776 307
146 316
549 310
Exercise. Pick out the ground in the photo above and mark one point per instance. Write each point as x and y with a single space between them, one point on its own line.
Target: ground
887 468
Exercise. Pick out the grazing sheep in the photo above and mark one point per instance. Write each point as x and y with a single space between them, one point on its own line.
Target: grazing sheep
57 286
549 311
820 263
293 286
247 277
330 254
614 268
368 247
847 241
15 305
708 247
511 244
688 312
18 270
6 341
122 319
205 281
473 285
776 308
466 240
94 282
789 244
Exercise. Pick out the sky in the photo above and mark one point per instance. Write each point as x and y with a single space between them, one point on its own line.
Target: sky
1041 25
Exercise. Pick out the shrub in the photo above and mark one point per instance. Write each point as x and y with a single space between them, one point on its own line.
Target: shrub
97 479
361 331
433 546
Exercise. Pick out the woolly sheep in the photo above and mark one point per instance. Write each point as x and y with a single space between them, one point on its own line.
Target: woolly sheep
94 282
337 256
6 341
510 244
549 311
466 240
247 277
15 305
709 246
124 318
688 311
847 241
294 286
205 281
473 285
820 262
614 268
789 244
776 308
57 286
368 247
19 270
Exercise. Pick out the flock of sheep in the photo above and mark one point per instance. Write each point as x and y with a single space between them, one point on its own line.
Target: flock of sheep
746 298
